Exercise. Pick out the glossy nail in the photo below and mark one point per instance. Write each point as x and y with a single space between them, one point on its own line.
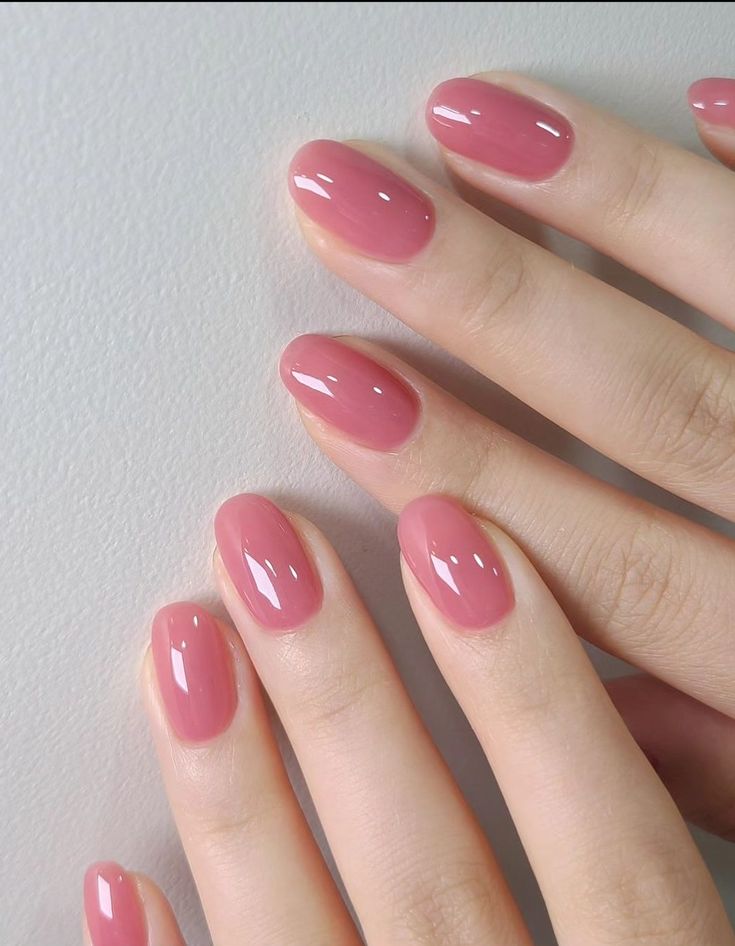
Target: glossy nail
349 390
454 562
112 907
713 101
194 671
360 201
500 128
266 562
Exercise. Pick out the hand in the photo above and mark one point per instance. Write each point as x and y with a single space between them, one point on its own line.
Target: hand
609 848
646 585
611 852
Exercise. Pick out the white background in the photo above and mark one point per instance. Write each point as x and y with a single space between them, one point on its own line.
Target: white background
150 275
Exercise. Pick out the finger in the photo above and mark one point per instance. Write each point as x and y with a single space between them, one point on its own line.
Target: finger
642 583
413 859
260 876
690 745
658 209
712 102
612 856
632 383
125 909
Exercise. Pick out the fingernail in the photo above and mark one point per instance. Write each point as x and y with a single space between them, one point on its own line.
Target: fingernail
266 562
500 128
194 672
713 101
454 562
349 390
361 201
112 907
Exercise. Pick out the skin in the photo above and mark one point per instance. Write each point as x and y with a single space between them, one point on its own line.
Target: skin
599 805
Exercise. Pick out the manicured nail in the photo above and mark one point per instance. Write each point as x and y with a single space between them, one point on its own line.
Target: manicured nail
713 101
112 907
500 128
266 562
194 672
454 562
361 201
349 390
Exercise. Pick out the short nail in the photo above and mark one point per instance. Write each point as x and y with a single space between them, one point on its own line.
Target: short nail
713 101
361 201
454 562
350 391
500 128
266 562
112 907
194 671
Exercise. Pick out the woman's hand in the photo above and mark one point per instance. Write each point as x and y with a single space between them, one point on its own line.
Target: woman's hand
644 584
612 855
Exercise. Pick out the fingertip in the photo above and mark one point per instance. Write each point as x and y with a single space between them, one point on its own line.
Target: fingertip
712 104
113 908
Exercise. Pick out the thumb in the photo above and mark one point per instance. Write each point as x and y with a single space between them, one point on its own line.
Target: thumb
691 746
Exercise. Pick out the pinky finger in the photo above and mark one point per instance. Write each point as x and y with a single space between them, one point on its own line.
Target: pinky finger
126 909
712 102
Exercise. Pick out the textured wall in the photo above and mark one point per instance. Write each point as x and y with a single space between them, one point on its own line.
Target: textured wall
150 276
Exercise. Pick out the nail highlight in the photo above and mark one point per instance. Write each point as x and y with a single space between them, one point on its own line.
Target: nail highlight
362 202
713 101
112 907
194 671
351 391
500 128
454 562
266 562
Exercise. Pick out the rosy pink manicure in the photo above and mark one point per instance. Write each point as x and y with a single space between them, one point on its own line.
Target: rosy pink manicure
361 201
112 907
266 562
713 101
500 128
349 390
454 562
194 672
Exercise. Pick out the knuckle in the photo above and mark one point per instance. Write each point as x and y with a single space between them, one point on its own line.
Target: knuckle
653 898
503 286
230 810
486 470
333 698
636 185
695 426
451 906
641 580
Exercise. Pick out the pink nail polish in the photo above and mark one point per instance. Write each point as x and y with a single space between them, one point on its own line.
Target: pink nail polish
194 672
454 562
266 562
112 907
360 201
500 128
713 101
355 394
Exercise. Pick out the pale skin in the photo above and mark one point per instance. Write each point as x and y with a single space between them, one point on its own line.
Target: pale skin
605 833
